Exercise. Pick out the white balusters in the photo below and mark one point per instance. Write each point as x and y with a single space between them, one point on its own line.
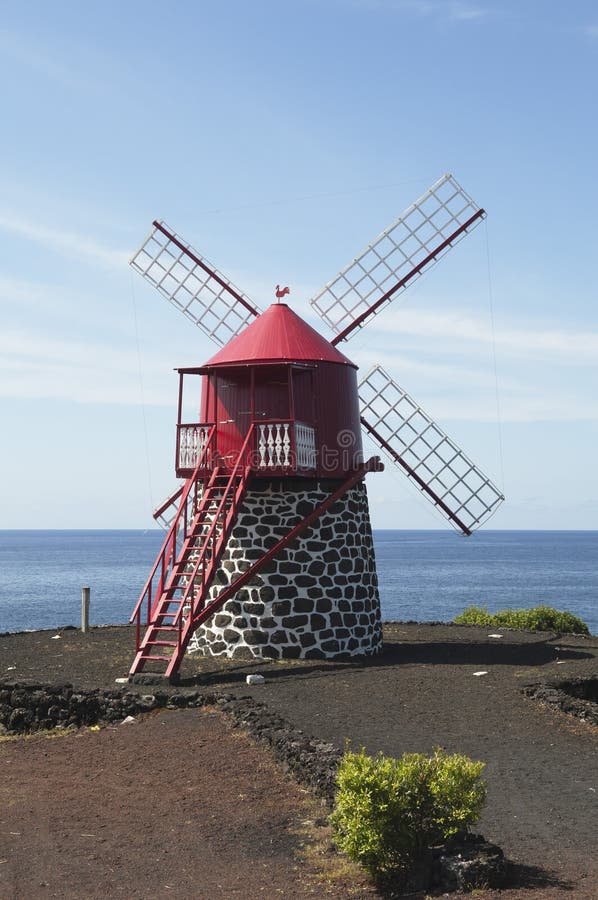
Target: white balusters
305 446
274 445
284 446
261 446
192 440
275 448
278 447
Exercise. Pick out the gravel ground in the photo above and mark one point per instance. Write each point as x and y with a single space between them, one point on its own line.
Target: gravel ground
422 692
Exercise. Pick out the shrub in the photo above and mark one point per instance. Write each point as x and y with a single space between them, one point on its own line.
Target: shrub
540 618
388 810
475 615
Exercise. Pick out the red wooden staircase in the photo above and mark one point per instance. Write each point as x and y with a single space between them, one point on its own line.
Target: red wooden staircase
178 586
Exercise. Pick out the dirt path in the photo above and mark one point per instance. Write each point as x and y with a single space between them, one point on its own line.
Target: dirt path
175 805
541 765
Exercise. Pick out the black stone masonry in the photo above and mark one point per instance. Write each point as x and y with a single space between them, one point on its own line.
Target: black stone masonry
318 599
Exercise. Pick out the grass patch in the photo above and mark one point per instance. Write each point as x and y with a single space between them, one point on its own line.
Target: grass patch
539 618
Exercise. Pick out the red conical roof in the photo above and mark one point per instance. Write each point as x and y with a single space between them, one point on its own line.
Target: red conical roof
278 335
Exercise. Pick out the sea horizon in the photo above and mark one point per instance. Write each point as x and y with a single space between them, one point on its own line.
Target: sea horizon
439 530
424 574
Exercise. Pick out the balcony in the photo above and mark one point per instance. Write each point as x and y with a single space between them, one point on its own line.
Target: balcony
278 447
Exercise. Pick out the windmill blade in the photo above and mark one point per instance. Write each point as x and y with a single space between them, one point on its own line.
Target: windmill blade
165 513
193 285
418 445
408 247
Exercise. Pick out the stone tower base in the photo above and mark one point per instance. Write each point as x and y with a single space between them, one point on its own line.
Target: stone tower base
318 599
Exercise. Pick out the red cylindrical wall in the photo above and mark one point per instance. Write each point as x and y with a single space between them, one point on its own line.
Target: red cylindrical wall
280 370
322 395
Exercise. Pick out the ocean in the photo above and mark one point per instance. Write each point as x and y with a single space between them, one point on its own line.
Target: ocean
424 575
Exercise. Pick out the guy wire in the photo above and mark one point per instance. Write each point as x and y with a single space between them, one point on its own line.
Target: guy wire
497 393
142 392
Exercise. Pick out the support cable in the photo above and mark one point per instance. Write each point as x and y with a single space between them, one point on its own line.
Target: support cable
142 394
497 393
289 201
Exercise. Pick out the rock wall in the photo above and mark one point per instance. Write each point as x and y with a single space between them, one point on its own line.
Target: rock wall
577 696
318 599
27 707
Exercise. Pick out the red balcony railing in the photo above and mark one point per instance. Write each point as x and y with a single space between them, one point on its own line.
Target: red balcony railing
278 445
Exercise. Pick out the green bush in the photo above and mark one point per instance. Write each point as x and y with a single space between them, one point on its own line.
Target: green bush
388 810
475 615
540 618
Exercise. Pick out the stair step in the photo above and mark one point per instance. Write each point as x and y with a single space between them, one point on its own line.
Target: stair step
149 658
160 644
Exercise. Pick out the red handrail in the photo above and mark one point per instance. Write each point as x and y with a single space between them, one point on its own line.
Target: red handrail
168 551
211 535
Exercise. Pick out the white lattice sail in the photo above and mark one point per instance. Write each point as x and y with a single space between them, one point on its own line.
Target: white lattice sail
166 512
408 247
414 441
192 284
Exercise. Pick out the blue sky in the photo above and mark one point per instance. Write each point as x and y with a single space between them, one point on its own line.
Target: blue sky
279 139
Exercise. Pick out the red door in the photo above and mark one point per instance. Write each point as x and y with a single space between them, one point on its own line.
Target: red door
233 414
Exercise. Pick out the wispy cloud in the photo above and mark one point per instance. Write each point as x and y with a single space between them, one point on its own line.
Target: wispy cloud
33 366
445 360
67 243
527 405
456 11
465 394
591 31
440 372
15 47
16 290
564 345
464 13
24 51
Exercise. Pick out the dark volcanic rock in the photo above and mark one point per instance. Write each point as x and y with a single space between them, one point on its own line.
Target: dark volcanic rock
468 862
577 696
463 863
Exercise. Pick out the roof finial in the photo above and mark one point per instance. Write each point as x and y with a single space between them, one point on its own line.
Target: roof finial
281 292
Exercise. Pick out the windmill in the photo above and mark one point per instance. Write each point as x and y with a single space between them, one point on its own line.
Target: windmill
268 550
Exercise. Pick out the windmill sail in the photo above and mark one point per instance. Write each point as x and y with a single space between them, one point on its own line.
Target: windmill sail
166 512
408 247
193 285
429 457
